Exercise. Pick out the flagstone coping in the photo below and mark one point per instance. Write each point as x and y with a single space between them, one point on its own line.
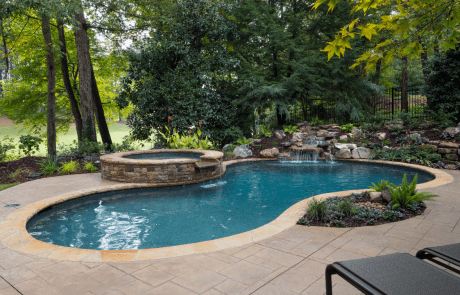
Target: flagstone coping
13 232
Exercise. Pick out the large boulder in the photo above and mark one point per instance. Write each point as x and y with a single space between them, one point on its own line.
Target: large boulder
297 136
242 151
343 137
341 146
270 153
343 154
453 131
386 194
279 134
451 145
382 135
286 144
376 196
361 153
225 148
357 132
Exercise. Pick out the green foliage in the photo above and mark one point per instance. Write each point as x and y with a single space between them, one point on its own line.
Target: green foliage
315 121
231 147
260 147
15 173
371 126
345 206
191 140
317 209
68 167
342 141
456 138
396 130
424 156
6 145
7 185
443 87
244 140
290 129
274 143
265 131
386 142
29 144
90 167
365 141
406 118
233 133
49 165
352 139
347 127
380 185
405 195
185 72
87 147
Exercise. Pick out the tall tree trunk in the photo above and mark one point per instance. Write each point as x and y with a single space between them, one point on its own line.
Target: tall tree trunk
424 58
101 122
404 101
5 50
68 85
84 67
51 76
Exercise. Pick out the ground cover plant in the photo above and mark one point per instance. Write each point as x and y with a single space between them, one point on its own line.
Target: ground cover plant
359 210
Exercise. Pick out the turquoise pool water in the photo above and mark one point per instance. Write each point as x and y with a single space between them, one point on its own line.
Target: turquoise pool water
249 195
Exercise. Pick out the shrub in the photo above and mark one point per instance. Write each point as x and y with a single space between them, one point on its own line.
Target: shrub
386 142
90 167
274 143
347 127
406 195
228 153
380 185
396 130
5 145
290 129
405 118
187 141
316 121
342 141
244 140
49 165
29 144
317 209
365 141
371 126
338 223
352 139
346 207
68 167
260 147
266 132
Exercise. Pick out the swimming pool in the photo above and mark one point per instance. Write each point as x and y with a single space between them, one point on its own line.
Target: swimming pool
249 195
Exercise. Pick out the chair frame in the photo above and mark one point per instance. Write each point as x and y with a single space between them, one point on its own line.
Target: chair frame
431 253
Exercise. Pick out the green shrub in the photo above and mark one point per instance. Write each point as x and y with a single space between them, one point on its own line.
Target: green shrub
407 154
396 130
260 147
273 143
187 141
290 129
244 140
90 167
231 147
228 153
380 185
347 127
346 207
68 167
405 118
342 141
49 165
352 139
6 144
265 131
87 147
317 209
386 142
29 144
457 138
405 195
365 141
371 126
316 121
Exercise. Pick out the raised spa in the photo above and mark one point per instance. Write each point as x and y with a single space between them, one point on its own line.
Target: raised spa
248 196
162 166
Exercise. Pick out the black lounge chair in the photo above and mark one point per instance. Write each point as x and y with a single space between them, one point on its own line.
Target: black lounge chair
448 253
395 274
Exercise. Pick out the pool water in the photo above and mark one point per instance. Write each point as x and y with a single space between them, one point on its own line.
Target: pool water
164 156
248 196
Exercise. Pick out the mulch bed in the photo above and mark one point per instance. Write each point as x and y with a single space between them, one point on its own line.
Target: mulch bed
363 198
31 166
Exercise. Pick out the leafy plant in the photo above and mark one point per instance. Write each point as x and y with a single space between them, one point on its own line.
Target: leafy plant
347 127
317 209
457 138
338 223
90 167
266 132
231 147
405 118
241 141
49 165
371 126
188 141
260 147
274 143
228 153
346 207
29 144
392 215
342 141
6 144
316 121
365 141
380 185
87 147
396 130
352 139
290 129
386 142
15 173
406 195
68 167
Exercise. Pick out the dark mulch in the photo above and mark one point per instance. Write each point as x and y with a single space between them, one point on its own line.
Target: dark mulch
349 222
31 166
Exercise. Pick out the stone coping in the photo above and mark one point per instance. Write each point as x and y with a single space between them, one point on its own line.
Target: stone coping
120 158
13 232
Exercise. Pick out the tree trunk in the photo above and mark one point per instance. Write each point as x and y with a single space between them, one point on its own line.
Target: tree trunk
101 122
84 68
5 50
424 58
68 85
404 101
51 76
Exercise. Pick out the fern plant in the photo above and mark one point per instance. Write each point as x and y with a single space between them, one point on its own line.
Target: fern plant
290 129
347 127
380 185
90 167
405 195
69 167
49 165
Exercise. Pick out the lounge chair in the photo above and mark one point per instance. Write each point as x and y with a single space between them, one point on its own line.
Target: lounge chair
395 274
448 253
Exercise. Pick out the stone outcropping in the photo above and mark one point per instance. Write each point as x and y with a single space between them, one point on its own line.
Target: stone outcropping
361 153
270 153
279 134
242 151
386 194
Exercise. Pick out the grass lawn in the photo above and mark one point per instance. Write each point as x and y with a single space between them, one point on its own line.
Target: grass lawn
117 132
5 186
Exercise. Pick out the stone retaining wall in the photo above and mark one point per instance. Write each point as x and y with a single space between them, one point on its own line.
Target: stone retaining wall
116 167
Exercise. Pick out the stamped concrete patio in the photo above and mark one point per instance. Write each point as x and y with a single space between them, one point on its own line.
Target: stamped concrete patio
291 262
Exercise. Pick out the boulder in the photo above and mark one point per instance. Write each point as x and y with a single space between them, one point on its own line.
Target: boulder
341 146
331 134
257 140
386 148
447 151
279 134
297 136
343 154
242 151
225 148
361 153
343 137
376 196
322 133
270 153
452 157
357 132
327 156
386 194
451 145
286 144
453 131
382 135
